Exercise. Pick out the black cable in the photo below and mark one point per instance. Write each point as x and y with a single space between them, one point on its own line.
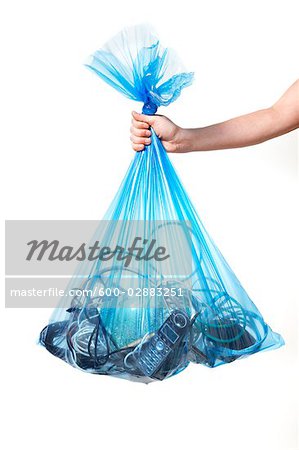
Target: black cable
97 330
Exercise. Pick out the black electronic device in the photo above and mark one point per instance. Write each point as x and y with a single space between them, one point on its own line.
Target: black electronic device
155 351
217 336
230 335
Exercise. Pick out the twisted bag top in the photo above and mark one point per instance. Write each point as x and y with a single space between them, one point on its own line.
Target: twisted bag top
147 319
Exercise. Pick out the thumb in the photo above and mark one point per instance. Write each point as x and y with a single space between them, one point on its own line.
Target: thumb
150 120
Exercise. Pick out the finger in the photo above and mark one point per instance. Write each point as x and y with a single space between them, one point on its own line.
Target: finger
143 118
140 132
140 140
138 147
141 125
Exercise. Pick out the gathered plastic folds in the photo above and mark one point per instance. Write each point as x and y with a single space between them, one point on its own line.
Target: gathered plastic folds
165 296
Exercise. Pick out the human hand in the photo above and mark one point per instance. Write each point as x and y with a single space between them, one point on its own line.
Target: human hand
165 129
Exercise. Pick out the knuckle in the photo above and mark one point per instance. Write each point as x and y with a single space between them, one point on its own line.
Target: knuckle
141 133
137 147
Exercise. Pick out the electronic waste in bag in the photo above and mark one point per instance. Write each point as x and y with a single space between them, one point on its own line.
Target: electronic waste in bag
149 319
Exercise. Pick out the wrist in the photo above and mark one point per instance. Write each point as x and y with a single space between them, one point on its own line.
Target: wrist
181 141
184 140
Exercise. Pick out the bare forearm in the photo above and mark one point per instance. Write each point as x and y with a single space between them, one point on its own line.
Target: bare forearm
242 131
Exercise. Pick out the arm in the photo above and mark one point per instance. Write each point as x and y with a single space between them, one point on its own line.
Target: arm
243 131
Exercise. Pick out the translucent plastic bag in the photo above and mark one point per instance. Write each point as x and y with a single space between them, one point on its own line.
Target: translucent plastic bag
148 320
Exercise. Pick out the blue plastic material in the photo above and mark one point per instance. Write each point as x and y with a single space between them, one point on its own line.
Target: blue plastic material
201 314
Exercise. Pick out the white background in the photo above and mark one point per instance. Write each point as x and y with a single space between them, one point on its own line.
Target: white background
65 140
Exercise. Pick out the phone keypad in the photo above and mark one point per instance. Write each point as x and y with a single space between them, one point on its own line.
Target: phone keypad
152 356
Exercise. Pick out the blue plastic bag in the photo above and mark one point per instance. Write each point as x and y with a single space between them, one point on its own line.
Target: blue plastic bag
151 318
